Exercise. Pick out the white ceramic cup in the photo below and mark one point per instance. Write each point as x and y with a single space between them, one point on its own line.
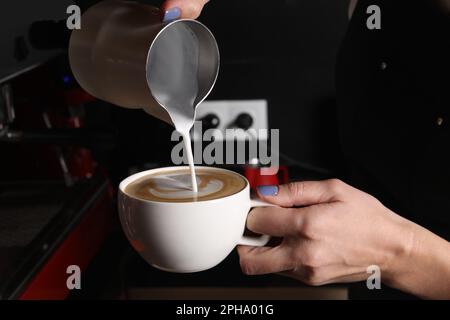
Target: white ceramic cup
186 236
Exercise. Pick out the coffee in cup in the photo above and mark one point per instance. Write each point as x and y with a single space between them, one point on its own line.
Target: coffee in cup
175 185
176 230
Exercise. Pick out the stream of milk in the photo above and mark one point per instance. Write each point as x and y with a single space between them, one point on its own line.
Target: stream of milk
173 80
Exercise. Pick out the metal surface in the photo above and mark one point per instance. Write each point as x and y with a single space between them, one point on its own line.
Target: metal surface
36 221
65 136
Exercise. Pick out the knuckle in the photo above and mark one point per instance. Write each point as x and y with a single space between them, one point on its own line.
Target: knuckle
296 257
312 225
194 8
247 266
296 220
312 257
307 228
198 5
335 185
311 276
306 225
318 224
295 188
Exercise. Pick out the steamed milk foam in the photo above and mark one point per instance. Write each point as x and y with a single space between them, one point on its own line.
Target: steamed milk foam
171 185
174 77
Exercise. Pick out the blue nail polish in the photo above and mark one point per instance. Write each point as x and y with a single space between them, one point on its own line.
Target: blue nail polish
268 190
172 14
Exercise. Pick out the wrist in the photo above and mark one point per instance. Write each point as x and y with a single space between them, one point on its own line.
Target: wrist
414 260
400 252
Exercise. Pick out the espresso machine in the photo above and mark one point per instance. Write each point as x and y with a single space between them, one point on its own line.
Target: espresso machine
56 207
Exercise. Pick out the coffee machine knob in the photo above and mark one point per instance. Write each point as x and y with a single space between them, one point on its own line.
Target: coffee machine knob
210 121
243 121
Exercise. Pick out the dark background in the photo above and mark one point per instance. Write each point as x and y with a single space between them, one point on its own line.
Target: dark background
283 51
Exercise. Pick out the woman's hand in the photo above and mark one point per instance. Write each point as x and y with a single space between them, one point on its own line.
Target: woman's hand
332 232
175 9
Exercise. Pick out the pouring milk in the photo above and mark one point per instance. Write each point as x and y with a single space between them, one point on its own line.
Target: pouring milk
174 82
131 59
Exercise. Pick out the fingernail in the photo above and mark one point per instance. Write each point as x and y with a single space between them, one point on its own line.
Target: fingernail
268 190
172 14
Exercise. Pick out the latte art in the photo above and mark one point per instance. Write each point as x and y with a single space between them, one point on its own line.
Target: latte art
179 186
176 186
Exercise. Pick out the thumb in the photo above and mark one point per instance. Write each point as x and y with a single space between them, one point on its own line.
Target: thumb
302 193
189 9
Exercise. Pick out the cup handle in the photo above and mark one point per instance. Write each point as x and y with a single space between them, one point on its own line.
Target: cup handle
262 240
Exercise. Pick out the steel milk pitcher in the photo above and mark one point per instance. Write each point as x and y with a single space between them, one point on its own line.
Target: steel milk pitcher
111 56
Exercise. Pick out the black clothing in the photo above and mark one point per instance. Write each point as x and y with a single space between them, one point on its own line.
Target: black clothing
393 94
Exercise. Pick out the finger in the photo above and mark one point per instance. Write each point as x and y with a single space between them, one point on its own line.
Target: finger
275 221
188 9
303 193
327 275
263 260
344 279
